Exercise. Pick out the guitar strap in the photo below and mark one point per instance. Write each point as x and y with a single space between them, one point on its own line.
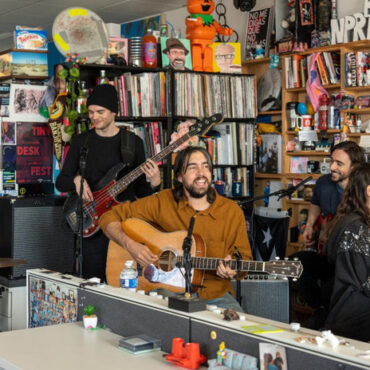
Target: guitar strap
127 147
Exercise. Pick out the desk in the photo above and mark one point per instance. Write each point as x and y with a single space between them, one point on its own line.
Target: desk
71 346
129 313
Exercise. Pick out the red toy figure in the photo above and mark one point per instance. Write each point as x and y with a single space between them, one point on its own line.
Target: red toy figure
201 29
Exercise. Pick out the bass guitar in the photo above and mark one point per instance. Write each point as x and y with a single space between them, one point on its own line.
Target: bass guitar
108 187
167 273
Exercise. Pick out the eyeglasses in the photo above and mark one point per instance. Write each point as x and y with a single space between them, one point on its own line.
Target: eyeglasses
225 56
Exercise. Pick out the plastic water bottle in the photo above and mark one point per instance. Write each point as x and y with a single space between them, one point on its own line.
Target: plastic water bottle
128 277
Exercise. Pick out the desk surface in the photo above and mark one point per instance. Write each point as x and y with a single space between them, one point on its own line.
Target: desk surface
70 346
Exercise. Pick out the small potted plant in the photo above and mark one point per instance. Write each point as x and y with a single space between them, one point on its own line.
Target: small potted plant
89 317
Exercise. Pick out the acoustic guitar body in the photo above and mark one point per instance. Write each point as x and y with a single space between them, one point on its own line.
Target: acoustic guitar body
167 246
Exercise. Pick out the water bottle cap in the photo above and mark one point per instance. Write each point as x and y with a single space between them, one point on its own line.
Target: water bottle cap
129 264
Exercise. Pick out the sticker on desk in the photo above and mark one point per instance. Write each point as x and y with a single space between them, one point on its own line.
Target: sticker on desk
258 329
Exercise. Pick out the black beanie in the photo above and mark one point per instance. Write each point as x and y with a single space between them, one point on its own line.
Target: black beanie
105 96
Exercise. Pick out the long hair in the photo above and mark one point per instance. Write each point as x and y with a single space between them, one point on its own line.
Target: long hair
355 153
181 163
354 198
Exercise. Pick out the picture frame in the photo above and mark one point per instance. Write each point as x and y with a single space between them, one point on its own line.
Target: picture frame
272 355
118 46
226 57
25 101
259 27
168 60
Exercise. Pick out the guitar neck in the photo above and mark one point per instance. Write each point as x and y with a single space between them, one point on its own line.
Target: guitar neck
134 174
207 263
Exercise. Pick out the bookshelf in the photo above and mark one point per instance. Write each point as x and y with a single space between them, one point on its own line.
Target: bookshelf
165 97
298 94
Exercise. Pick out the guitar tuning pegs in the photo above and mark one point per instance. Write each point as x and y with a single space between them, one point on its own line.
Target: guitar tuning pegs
295 279
277 258
295 259
286 258
285 278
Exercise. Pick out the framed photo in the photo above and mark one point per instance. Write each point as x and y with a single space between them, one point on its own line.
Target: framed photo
176 53
259 28
25 101
118 46
226 57
272 356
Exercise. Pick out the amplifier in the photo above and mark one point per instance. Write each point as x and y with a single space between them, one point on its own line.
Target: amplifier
265 297
34 229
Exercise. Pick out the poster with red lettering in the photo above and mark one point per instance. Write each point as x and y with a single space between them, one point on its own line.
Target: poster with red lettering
34 152
259 28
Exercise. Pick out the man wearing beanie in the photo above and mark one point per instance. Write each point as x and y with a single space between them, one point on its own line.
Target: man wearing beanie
106 145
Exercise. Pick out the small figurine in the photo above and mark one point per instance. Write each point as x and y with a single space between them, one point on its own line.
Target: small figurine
201 29
221 353
259 52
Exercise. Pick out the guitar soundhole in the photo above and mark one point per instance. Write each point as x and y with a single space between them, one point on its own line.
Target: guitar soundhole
167 261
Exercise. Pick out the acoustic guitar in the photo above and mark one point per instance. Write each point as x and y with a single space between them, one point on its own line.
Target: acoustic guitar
109 188
167 246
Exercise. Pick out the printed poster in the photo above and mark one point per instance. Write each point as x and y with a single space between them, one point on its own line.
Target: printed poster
34 152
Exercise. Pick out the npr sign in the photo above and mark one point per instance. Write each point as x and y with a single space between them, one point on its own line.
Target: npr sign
352 27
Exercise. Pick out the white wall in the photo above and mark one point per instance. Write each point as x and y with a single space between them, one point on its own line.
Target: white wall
238 20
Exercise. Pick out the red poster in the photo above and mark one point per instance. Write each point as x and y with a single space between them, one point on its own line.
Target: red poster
34 152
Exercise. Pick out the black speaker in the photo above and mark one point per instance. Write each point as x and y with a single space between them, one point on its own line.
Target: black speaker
265 297
34 229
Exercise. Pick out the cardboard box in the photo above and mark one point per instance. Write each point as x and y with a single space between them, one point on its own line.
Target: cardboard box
31 39
22 63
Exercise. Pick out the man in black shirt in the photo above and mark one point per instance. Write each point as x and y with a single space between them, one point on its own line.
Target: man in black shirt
104 151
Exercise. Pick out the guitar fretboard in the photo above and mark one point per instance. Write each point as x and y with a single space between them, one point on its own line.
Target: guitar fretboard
207 263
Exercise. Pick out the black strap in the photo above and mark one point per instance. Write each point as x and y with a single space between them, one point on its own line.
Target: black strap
84 149
127 147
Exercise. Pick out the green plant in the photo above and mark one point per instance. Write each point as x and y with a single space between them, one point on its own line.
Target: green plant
71 74
89 310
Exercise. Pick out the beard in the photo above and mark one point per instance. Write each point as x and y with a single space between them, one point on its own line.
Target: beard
194 192
338 176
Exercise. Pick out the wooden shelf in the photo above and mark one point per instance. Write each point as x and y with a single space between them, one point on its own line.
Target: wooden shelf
308 153
315 176
357 110
303 89
357 88
260 175
298 201
358 134
294 132
256 61
271 112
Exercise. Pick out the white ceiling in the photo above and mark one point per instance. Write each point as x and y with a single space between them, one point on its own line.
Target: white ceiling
41 13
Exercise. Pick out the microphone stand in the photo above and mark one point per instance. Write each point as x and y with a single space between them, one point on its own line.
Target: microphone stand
280 193
186 302
83 158
186 247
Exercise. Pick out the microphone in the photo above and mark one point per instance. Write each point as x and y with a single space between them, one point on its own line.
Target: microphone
291 190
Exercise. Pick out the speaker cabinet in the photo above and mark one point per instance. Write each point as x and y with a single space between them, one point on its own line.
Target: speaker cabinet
265 297
34 229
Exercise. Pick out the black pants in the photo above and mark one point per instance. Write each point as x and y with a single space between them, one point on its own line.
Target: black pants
94 252
315 285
